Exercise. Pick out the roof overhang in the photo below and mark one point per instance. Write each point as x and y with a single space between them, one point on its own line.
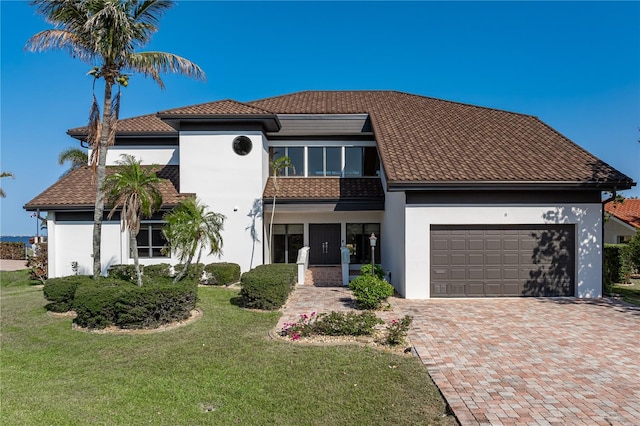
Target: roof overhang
501 185
319 206
268 122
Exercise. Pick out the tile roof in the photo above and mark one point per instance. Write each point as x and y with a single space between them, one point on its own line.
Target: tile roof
146 124
224 107
433 142
326 189
627 211
77 190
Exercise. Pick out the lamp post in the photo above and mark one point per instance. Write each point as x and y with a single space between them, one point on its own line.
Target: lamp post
372 242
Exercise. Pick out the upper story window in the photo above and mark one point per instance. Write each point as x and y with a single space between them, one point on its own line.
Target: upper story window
319 161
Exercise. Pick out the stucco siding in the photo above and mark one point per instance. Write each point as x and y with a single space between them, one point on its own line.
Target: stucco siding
393 233
229 184
587 219
613 228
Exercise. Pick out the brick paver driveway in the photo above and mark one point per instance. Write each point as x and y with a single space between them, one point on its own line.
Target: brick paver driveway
531 361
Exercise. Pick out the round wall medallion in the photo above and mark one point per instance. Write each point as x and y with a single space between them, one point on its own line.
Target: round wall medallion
242 145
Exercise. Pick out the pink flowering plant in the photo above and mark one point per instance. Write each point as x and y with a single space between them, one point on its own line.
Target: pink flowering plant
301 328
397 330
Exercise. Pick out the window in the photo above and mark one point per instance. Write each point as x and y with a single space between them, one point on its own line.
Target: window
295 154
339 161
287 240
624 239
242 145
151 240
358 241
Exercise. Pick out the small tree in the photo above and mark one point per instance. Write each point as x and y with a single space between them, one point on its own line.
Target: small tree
190 229
630 257
277 166
136 190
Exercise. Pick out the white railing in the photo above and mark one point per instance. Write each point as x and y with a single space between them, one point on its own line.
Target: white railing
303 264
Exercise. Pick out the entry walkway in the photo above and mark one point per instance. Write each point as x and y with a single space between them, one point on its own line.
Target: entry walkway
527 361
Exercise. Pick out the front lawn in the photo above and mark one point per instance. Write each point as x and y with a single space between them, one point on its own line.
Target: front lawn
629 292
222 369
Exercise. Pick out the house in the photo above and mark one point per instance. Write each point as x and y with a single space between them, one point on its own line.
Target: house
622 220
465 201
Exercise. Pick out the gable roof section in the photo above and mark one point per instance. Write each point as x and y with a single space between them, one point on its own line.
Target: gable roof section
77 189
144 125
223 107
627 211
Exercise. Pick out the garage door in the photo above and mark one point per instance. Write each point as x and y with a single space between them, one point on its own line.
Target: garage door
519 260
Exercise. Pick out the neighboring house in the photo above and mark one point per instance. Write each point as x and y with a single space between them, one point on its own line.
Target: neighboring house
623 220
464 200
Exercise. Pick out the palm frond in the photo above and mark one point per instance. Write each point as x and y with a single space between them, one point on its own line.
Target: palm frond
152 64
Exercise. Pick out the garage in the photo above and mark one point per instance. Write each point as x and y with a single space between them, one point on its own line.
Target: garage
502 260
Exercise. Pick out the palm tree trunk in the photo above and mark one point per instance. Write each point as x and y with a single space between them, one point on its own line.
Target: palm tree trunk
183 272
101 173
133 243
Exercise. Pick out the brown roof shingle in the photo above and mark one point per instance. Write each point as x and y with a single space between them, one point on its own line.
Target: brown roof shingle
224 107
77 190
627 211
433 141
327 189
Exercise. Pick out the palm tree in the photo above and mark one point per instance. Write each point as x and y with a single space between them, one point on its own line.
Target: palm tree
277 166
107 33
190 228
76 156
3 175
136 190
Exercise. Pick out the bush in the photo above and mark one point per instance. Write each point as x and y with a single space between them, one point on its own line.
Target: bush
124 304
61 291
222 273
397 330
156 271
194 273
377 271
333 324
38 262
370 291
612 265
630 257
12 250
268 286
124 272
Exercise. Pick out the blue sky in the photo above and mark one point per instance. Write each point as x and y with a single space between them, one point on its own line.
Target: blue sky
576 65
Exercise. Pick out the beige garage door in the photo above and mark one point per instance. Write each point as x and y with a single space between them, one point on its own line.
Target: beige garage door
518 260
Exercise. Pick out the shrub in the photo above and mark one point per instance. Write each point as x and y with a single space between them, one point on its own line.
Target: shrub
397 330
377 270
612 265
333 324
38 262
12 250
61 291
222 273
124 272
370 291
124 304
194 273
155 271
268 286
630 257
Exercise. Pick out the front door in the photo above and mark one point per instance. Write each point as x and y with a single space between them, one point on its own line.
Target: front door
324 244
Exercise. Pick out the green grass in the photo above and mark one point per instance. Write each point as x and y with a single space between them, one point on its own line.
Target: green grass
222 369
630 293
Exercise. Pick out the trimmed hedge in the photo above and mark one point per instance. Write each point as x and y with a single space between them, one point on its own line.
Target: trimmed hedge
194 273
370 291
161 270
268 286
124 272
125 305
612 265
222 273
12 250
61 291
